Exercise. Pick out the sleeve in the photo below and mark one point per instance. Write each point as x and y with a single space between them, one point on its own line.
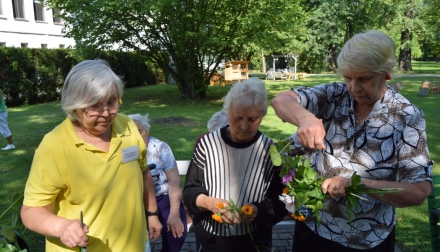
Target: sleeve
271 210
414 163
194 186
321 100
168 160
45 179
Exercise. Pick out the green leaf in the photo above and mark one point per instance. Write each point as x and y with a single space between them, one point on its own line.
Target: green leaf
275 156
8 233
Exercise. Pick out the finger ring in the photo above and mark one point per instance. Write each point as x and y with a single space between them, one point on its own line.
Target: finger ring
335 188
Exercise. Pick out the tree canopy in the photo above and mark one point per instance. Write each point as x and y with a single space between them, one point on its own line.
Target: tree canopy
179 35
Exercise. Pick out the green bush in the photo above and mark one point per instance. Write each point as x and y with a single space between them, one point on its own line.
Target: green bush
30 76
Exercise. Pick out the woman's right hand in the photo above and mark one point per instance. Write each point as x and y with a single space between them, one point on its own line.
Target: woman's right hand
207 203
311 133
72 234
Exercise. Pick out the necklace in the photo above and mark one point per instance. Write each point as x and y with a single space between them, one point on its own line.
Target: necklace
358 120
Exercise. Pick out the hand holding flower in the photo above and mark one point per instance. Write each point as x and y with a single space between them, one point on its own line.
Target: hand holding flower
249 213
232 214
335 186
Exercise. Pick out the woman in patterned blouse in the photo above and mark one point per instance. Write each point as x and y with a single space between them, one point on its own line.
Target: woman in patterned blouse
166 180
361 126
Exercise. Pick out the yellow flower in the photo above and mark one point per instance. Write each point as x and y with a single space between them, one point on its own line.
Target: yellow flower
285 190
217 217
220 205
247 210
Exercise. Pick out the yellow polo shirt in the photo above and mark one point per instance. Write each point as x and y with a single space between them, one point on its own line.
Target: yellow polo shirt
106 186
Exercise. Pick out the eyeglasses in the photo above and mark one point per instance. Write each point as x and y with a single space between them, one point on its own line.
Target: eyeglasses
97 112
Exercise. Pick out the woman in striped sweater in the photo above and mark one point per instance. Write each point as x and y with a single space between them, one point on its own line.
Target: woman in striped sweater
234 163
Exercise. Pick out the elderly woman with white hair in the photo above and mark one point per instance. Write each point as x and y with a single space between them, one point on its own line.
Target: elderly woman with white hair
89 183
166 179
234 163
361 126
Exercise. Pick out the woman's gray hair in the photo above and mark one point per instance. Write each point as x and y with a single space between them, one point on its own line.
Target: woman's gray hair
87 84
371 51
247 93
218 120
143 119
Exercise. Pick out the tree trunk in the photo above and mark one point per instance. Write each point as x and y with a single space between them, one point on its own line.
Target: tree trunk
332 54
405 42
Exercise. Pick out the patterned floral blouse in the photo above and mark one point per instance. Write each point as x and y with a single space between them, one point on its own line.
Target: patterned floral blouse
389 145
160 154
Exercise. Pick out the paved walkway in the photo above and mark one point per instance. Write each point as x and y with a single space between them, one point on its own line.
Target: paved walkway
282 241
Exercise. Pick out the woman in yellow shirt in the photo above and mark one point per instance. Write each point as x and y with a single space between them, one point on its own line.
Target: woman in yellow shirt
93 162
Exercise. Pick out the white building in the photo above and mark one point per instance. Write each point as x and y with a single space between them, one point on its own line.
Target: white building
25 23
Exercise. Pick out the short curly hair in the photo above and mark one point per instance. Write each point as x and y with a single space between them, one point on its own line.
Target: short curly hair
247 93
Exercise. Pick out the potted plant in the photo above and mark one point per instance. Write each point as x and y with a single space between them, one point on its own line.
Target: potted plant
10 238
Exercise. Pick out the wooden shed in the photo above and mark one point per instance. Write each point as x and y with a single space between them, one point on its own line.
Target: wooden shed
236 70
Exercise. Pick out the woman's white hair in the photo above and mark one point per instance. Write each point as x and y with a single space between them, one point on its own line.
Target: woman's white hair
143 119
218 120
371 51
246 94
89 83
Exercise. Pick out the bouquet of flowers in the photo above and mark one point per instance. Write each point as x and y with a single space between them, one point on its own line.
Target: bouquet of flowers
303 195
233 209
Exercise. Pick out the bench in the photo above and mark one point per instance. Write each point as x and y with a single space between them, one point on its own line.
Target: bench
288 223
295 76
274 75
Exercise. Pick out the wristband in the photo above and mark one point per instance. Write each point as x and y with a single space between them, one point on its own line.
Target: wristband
153 213
301 117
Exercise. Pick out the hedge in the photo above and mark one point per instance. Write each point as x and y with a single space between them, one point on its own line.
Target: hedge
29 76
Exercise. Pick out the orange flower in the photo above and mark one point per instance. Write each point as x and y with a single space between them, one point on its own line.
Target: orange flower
298 217
286 190
217 217
220 205
247 210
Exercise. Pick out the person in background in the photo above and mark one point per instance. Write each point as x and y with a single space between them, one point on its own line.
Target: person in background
93 163
166 181
234 163
4 129
218 120
361 126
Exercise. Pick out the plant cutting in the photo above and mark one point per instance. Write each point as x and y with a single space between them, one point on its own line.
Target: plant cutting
234 210
10 238
303 195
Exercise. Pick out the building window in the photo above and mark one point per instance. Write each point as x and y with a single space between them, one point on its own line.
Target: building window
62 46
56 16
18 7
2 44
38 11
43 45
24 45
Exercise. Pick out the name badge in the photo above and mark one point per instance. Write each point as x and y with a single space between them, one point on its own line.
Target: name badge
130 154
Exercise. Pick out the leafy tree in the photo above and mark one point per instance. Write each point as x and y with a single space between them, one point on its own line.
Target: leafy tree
333 22
178 35
408 27
431 43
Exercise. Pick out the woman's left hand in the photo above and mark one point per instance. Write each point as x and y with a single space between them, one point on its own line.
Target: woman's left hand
155 227
175 225
250 218
335 186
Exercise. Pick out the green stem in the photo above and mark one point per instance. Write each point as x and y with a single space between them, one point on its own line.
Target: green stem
13 204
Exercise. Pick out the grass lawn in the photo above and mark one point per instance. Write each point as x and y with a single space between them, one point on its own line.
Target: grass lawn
179 122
